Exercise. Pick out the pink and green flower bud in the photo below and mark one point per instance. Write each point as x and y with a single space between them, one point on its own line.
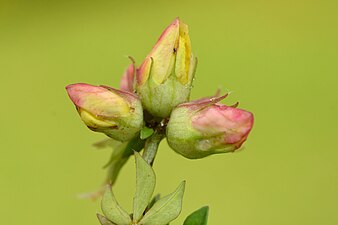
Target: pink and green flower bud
204 127
165 77
118 114
127 80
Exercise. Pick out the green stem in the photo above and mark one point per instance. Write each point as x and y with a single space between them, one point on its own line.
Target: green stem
151 146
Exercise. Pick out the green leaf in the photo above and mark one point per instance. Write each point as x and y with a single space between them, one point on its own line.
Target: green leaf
120 156
153 200
166 209
199 217
108 142
104 221
146 132
112 210
134 145
145 185
123 150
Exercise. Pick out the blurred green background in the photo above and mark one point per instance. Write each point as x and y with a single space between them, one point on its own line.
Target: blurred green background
279 59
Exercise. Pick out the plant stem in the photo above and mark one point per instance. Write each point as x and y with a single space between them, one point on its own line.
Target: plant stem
151 146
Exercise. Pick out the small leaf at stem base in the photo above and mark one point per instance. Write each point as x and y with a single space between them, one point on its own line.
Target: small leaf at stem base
146 132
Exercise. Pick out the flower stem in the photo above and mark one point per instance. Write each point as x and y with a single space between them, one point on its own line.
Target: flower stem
151 146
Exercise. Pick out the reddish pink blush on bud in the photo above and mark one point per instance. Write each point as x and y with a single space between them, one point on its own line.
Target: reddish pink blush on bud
234 123
97 99
127 80
172 28
78 91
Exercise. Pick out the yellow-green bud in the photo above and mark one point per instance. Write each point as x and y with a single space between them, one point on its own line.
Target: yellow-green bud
165 77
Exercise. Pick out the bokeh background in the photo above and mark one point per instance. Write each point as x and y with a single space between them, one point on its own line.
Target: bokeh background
278 58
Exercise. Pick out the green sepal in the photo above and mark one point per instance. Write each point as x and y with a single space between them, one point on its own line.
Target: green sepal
199 217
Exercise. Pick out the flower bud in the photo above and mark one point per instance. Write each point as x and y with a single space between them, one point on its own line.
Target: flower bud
118 114
204 127
165 77
127 80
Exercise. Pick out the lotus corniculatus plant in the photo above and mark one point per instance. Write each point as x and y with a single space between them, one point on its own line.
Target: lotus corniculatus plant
153 103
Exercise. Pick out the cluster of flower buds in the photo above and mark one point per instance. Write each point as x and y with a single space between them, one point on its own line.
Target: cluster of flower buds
160 89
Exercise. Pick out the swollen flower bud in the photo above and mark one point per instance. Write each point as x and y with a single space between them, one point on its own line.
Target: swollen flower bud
115 113
165 77
204 127
127 80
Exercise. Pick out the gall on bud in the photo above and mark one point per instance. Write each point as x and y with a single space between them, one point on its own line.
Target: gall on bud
165 77
205 127
116 113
